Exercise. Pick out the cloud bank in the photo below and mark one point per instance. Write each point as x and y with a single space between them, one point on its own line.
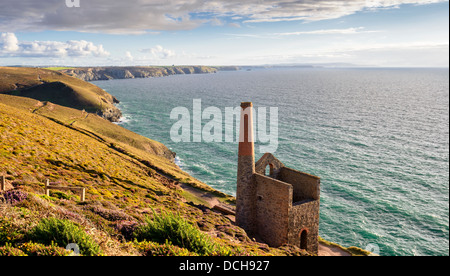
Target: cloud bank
11 47
140 16
159 52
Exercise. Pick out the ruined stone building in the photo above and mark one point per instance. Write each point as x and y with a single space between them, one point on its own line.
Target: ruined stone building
275 203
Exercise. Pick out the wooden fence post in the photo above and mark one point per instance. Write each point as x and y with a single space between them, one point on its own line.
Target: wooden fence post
3 184
82 194
47 190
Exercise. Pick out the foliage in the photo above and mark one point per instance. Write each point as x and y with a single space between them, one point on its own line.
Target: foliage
167 249
37 249
126 174
60 195
62 233
13 197
9 231
9 250
126 228
178 231
49 85
110 215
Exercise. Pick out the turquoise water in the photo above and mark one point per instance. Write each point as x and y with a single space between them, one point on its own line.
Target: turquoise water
378 138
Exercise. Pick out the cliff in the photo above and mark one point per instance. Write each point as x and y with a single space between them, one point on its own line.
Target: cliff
58 88
130 181
135 194
107 73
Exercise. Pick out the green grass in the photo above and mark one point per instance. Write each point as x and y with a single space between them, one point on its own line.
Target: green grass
123 178
171 229
62 233
119 185
58 88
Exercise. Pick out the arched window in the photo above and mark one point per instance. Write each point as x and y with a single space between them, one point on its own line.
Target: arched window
269 170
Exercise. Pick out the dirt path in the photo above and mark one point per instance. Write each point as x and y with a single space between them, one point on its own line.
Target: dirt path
208 198
329 250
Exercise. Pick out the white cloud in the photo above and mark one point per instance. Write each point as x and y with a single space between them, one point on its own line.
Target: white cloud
128 56
141 16
234 25
8 42
347 31
255 11
11 47
159 52
418 54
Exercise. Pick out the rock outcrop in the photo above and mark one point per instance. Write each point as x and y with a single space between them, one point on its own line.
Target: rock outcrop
107 73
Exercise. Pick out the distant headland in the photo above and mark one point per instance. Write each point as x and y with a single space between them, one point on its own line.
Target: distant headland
132 72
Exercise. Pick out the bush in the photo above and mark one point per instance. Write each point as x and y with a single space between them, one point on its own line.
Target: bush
8 250
14 197
155 249
37 249
9 232
63 232
110 215
126 228
177 231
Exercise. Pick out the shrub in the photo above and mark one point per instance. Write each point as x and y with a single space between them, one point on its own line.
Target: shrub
179 232
63 232
126 228
37 249
8 250
155 249
14 197
110 215
9 231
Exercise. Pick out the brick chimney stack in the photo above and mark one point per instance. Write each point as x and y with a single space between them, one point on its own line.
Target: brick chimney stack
245 191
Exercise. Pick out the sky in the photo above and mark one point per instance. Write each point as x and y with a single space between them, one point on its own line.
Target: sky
384 33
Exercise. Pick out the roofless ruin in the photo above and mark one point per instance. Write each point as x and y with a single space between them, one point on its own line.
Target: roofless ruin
274 203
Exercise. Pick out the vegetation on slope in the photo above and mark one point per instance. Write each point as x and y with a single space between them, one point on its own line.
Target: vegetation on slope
137 198
58 88
125 190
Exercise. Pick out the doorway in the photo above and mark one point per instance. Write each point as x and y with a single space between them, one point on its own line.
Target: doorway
304 239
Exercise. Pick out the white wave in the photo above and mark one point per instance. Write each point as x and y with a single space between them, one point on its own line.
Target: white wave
125 119
178 162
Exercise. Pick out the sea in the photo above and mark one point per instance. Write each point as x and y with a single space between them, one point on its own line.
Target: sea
377 137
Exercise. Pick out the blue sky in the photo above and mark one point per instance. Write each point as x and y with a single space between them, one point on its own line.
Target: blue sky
391 33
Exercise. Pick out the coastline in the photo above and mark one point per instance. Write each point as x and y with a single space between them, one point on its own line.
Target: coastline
113 72
206 198
123 180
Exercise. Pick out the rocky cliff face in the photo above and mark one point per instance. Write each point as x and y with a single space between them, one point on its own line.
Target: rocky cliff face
107 73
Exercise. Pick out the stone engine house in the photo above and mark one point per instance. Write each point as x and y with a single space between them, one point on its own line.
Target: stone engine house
275 203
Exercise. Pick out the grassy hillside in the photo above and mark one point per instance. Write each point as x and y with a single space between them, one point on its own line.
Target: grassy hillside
138 202
58 88
133 197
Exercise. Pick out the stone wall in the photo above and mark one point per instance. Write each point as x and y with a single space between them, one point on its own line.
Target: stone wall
305 216
269 160
273 202
305 186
